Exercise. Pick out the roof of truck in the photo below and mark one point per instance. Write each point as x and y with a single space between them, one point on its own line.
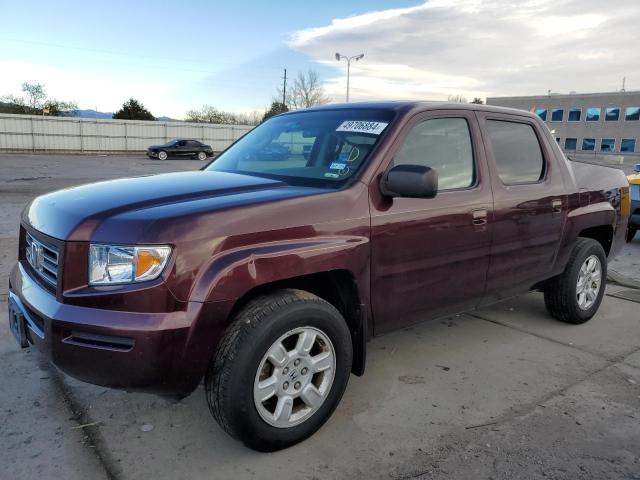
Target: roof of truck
417 105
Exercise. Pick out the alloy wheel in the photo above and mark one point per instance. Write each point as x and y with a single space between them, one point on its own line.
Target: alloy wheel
589 282
294 377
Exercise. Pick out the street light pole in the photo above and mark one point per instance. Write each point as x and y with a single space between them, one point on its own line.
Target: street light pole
348 59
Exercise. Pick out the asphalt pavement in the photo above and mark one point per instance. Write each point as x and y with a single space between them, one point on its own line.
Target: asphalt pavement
504 392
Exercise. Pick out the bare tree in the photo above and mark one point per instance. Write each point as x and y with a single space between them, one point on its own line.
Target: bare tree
35 94
250 118
36 102
478 101
210 114
306 91
457 99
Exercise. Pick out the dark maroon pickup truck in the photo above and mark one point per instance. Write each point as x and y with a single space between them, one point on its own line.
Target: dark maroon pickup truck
266 273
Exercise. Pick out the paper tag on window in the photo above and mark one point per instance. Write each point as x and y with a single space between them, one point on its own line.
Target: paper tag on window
337 166
359 126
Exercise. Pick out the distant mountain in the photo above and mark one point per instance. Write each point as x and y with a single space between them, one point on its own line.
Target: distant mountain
8 107
90 113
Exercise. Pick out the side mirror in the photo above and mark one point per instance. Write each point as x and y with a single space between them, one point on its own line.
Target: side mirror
636 168
415 181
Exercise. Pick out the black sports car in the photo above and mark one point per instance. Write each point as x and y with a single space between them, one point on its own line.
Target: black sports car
180 148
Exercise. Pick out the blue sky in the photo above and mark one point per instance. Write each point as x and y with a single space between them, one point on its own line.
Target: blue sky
175 56
226 54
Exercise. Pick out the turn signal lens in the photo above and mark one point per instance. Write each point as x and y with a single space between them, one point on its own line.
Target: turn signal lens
150 262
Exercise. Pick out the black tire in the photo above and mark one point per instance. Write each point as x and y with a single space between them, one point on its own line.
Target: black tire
560 293
199 154
162 152
229 381
631 232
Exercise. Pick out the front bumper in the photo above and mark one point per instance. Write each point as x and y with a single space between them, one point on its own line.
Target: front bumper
151 153
165 353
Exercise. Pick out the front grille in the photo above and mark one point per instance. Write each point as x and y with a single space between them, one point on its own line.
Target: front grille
43 259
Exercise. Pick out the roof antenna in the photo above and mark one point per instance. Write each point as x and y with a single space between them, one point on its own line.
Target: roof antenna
624 80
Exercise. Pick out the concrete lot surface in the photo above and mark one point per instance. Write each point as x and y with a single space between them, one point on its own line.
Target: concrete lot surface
504 392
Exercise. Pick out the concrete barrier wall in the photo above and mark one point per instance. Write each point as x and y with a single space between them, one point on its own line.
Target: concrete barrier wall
68 134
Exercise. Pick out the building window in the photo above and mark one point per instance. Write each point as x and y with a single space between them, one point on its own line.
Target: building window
575 114
516 151
612 114
628 145
593 114
570 144
608 145
588 144
542 113
557 114
632 113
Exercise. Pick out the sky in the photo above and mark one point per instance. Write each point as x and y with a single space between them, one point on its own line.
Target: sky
176 56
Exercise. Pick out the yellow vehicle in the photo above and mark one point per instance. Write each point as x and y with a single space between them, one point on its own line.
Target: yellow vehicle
634 218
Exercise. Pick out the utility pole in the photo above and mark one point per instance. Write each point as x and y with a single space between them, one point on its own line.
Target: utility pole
284 88
348 59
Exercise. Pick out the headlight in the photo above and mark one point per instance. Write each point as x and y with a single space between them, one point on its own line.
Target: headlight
116 264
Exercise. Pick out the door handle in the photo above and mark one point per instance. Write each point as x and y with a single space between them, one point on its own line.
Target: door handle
556 205
479 217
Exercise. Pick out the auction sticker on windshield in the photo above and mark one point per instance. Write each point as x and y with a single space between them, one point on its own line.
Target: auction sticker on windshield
359 126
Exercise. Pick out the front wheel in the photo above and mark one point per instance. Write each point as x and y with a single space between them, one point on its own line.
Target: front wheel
576 294
280 369
162 155
202 156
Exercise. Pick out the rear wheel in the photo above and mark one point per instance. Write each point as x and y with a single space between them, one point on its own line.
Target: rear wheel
631 232
162 155
202 156
280 369
575 295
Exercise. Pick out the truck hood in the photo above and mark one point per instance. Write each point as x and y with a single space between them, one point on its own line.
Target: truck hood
80 213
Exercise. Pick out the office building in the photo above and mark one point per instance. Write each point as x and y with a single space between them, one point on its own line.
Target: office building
587 123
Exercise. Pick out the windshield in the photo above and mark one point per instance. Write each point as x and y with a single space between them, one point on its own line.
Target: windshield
315 148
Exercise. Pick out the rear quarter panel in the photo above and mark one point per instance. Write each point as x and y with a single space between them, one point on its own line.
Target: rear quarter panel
598 202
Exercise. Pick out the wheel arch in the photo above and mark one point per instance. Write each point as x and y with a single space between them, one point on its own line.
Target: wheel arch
603 234
595 221
338 287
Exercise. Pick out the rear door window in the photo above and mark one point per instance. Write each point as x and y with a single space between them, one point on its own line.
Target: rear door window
517 152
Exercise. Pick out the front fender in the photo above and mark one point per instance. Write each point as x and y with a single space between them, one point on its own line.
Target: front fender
231 273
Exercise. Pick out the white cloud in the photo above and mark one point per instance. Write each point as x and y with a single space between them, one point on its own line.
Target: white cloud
481 48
